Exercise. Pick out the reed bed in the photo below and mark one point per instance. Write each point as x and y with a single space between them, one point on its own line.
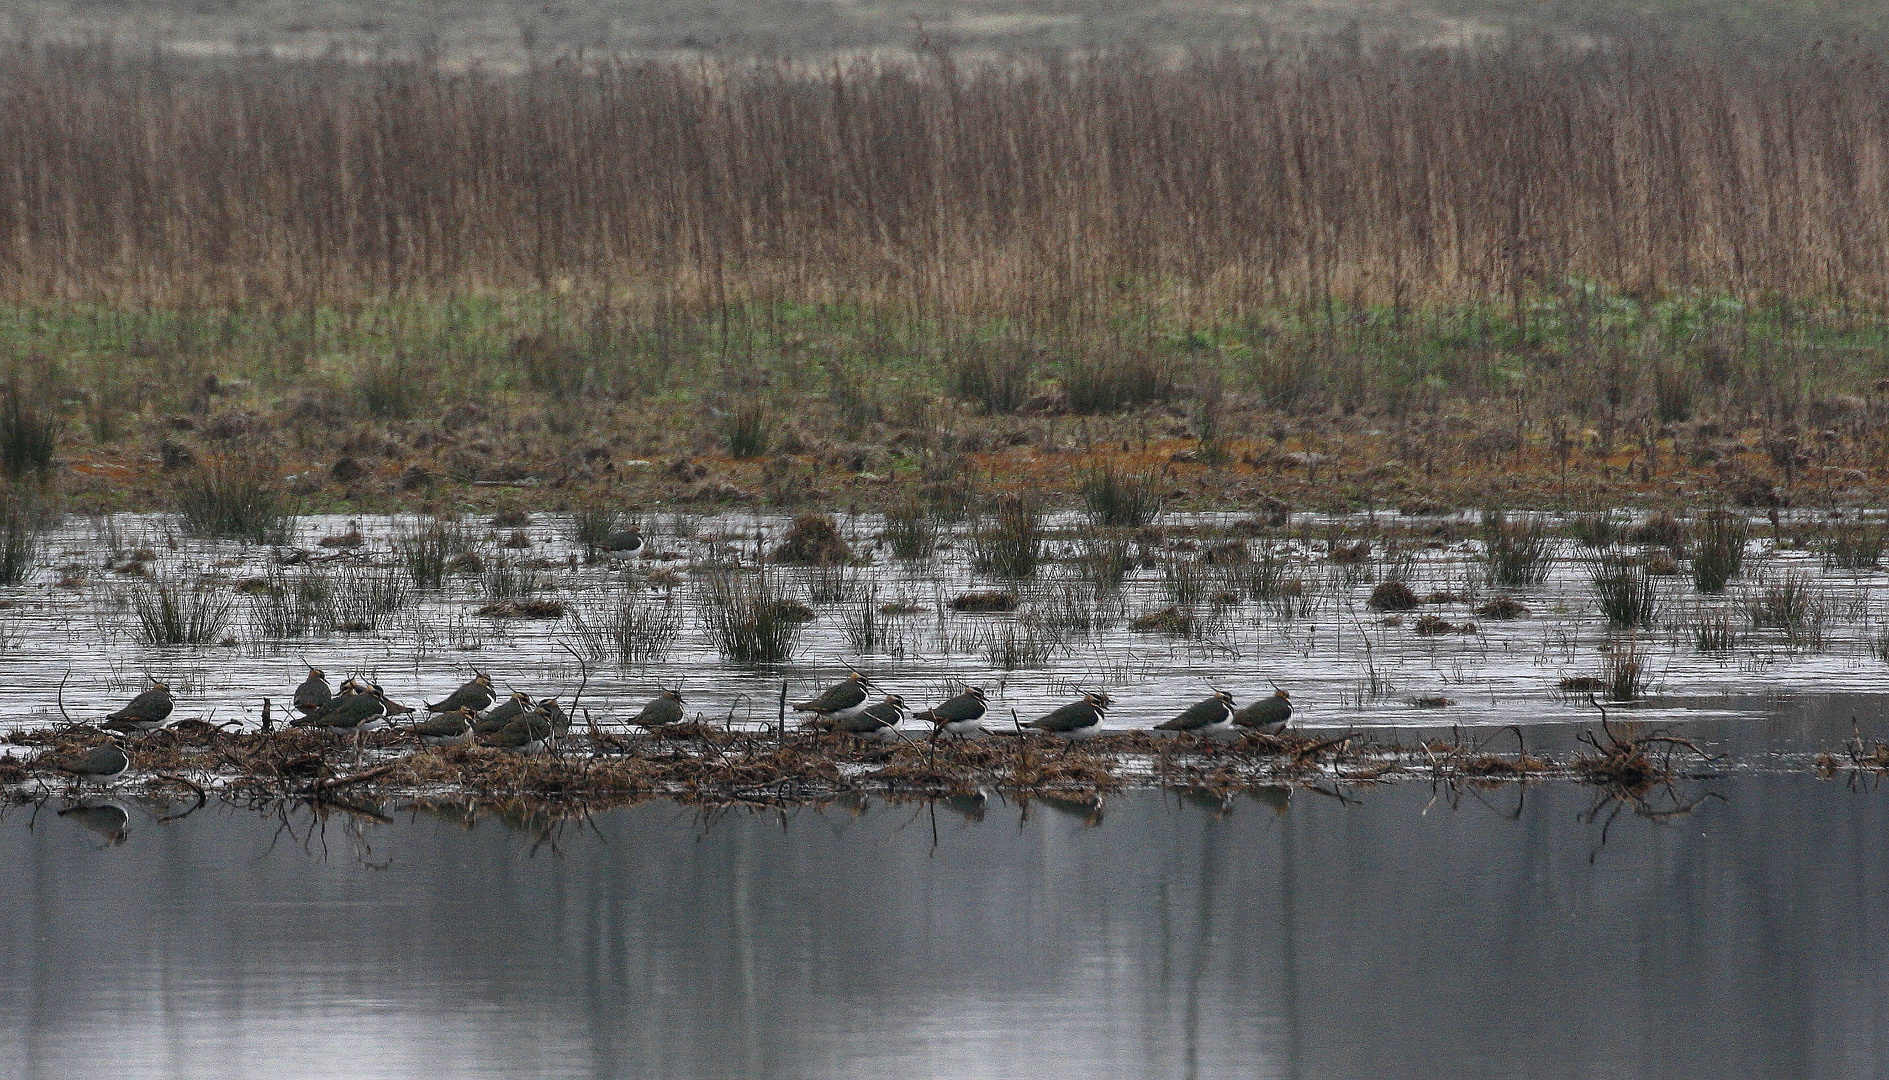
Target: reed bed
1430 177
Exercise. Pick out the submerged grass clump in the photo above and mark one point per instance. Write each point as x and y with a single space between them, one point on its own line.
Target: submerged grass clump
1520 551
629 632
235 497
749 619
1718 549
911 530
428 549
1119 499
181 608
21 523
1628 595
1009 543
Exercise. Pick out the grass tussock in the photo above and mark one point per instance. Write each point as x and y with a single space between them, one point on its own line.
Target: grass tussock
1121 499
1009 542
750 620
29 434
1628 595
429 549
22 521
1718 549
629 632
181 608
1520 550
236 497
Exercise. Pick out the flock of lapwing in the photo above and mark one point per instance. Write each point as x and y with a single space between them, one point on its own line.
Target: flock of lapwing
474 714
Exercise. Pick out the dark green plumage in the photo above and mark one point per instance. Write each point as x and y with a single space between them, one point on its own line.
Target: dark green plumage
526 734
839 698
666 709
444 730
512 709
1268 715
476 694
351 712
1076 718
881 720
313 695
966 707
147 710
1214 711
101 764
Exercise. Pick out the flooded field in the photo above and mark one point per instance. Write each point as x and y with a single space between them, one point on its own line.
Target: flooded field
1387 622
1520 934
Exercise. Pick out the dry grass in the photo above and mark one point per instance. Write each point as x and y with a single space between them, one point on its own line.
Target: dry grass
1405 178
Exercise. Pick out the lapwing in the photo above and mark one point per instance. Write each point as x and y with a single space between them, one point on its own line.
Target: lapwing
101 766
360 711
1076 720
109 820
666 709
448 729
146 712
348 692
842 701
623 544
1209 717
1268 716
560 720
475 694
525 734
313 695
510 710
394 708
959 716
877 722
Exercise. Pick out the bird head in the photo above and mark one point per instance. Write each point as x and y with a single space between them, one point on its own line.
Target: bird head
1281 694
521 697
1097 698
482 679
160 685
675 695
1225 697
317 673
976 692
894 699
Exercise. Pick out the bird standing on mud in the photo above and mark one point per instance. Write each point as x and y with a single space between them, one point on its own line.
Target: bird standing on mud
666 709
1205 718
476 694
1268 716
841 702
146 712
313 695
958 716
1078 719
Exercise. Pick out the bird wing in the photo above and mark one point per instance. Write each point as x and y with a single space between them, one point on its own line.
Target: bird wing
1076 714
1272 710
844 696
962 707
1202 714
150 705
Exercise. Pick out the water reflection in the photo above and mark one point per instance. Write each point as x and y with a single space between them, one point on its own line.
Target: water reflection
1277 934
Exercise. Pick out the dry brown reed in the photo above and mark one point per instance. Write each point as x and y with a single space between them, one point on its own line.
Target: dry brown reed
1032 187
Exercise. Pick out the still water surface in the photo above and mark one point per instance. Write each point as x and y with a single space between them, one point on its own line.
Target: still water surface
1397 937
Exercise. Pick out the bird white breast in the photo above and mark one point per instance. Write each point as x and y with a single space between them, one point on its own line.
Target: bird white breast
964 728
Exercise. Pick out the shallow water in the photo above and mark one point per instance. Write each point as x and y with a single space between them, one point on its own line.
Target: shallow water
1499 933
1343 663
